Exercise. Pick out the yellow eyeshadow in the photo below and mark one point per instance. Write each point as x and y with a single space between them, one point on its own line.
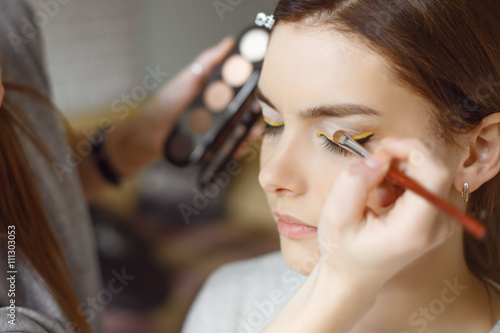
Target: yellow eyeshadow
361 137
273 124
320 133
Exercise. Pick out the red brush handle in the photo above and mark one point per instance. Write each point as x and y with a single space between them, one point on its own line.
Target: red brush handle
471 225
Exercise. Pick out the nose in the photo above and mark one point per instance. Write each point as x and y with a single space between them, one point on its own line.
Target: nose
283 166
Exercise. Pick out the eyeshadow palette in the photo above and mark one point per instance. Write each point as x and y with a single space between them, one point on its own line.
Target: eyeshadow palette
218 120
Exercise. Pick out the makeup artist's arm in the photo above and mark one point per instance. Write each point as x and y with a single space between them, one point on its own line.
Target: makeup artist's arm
135 143
361 251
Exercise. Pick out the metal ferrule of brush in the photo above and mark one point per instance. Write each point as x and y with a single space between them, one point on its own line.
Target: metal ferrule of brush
351 145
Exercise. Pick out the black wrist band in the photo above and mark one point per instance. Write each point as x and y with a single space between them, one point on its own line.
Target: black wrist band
103 164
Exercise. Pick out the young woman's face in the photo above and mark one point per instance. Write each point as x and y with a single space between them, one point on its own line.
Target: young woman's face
314 80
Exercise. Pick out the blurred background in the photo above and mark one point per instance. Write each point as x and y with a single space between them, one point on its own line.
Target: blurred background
98 52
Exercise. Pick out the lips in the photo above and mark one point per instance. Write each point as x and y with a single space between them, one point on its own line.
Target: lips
290 227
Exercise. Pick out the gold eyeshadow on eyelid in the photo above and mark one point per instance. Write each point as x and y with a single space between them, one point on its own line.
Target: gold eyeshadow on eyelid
362 138
273 124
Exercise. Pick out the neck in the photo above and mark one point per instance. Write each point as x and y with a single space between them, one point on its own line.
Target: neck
433 294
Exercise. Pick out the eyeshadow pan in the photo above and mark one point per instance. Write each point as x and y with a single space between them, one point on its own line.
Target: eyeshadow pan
217 96
180 147
236 71
253 45
200 120
203 137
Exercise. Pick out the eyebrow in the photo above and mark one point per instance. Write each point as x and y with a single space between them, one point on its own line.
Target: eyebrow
338 110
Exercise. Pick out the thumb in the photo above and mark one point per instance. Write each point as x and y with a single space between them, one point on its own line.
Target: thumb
179 93
346 204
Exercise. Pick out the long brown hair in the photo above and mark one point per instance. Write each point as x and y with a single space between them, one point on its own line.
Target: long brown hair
448 52
21 207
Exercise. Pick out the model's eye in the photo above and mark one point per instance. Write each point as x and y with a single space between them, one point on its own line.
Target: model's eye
331 146
363 138
273 128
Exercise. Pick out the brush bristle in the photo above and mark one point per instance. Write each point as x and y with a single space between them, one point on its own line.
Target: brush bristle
337 135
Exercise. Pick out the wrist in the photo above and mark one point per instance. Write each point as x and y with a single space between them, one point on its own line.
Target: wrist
330 284
370 284
338 301
326 302
102 160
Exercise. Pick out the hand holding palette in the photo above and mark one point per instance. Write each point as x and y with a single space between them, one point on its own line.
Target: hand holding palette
219 119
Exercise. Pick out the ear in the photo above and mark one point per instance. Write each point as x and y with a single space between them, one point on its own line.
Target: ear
482 162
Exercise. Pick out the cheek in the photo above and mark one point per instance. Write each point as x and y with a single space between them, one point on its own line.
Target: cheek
325 169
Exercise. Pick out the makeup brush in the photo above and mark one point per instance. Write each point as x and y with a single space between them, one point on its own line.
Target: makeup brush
471 225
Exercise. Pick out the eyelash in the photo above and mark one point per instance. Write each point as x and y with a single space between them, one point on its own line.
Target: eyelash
270 130
332 147
328 145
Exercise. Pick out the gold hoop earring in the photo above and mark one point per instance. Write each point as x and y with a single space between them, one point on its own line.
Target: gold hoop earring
465 193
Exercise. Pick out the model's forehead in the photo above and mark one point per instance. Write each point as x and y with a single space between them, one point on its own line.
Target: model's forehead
313 67
324 65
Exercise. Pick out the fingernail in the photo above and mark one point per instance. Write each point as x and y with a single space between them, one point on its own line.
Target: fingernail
377 160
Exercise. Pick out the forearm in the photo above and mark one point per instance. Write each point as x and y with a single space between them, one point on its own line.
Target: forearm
324 304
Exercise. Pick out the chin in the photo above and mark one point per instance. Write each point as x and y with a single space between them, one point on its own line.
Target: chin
301 255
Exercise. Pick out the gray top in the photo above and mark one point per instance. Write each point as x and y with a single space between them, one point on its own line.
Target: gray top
243 297
62 195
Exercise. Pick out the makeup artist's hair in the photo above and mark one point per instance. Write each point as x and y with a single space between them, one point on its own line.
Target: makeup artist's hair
21 207
448 51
